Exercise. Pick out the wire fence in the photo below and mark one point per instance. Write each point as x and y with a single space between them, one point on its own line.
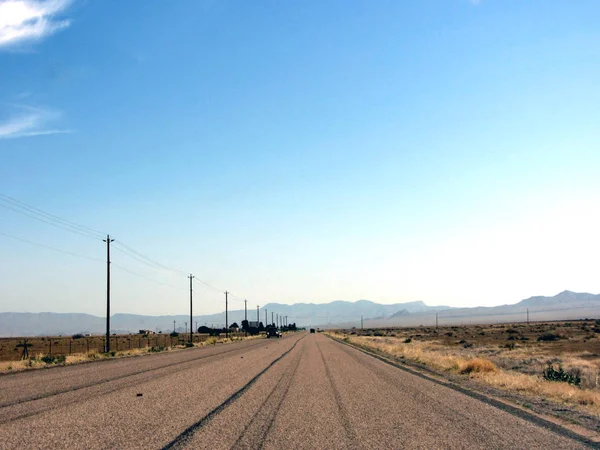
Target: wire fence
12 349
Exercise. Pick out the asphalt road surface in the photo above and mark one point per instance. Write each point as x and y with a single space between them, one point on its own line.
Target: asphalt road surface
302 391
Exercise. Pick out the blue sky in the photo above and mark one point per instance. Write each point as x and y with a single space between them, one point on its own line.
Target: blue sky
445 151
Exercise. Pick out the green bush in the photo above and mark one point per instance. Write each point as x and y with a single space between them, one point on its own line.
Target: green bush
48 359
552 374
548 337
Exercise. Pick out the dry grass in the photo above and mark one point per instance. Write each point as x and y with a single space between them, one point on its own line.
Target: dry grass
478 365
518 368
36 362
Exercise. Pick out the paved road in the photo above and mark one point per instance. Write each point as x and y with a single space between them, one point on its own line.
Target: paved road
302 391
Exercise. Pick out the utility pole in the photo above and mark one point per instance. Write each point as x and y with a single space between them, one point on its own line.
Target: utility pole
436 321
527 316
257 315
173 326
226 317
361 322
272 320
266 320
277 320
108 240
246 310
191 277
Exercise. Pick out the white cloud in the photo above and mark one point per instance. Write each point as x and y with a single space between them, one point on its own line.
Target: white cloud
23 21
27 121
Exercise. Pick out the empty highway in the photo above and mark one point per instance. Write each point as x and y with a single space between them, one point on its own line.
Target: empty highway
303 391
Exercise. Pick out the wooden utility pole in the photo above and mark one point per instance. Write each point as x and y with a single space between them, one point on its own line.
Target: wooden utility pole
191 277
108 240
246 310
272 317
266 319
436 320
361 322
257 315
226 317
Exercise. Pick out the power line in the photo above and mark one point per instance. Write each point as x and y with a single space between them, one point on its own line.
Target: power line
144 277
51 248
33 212
143 258
46 217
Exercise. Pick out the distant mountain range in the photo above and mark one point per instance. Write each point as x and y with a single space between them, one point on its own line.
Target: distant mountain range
566 305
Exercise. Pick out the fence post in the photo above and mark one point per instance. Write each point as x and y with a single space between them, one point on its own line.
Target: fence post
50 352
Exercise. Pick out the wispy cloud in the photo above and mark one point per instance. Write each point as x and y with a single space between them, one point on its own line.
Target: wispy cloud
26 121
25 21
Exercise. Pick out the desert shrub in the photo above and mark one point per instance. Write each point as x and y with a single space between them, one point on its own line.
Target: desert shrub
467 345
552 374
48 359
77 336
154 349
546 337
511 331
174 334
407 340
478 365
510 346
378 333
61 359
511 338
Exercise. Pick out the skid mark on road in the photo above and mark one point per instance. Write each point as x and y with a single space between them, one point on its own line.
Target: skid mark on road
119 377
181 440
524 415
261 424
457 416
349 430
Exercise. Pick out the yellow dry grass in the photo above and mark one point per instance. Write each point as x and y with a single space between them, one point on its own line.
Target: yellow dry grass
36 363
435 355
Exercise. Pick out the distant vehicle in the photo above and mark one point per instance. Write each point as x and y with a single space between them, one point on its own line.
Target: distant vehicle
272 332
312 330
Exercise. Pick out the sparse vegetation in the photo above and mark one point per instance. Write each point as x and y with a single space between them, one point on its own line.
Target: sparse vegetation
560 374
558 361
51 351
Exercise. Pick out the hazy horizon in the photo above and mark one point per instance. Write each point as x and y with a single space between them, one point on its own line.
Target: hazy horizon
444 151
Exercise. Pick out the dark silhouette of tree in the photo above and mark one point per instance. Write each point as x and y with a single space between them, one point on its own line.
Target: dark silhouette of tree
25 346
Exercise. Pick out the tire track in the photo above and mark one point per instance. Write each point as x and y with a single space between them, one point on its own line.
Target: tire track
386 378
121 377
181 440
520 413
170 369
262 423
348 429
